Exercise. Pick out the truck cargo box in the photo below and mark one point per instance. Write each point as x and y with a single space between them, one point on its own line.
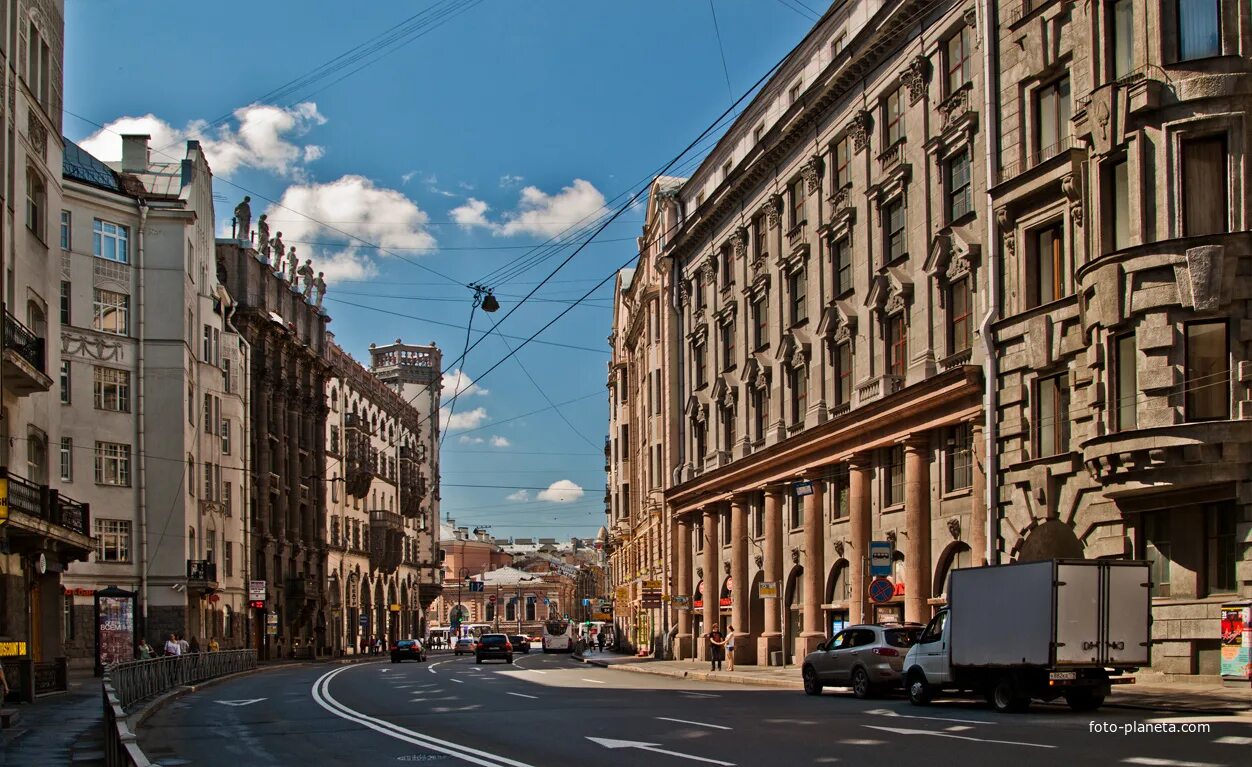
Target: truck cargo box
1051 613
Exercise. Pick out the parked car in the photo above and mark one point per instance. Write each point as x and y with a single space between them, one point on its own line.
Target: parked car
520 643
868 658
407 649
493 646
463 645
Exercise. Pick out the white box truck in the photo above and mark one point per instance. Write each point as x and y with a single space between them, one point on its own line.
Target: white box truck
1036 630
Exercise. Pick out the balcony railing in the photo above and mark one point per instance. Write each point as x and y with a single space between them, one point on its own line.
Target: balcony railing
1036 158
24 342
41 502
201 570
891 155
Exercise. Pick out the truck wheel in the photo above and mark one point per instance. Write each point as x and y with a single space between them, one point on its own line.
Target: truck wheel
812 685
861 687
1084 700
920 693
1005 698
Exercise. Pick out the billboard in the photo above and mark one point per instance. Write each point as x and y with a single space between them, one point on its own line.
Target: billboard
115 627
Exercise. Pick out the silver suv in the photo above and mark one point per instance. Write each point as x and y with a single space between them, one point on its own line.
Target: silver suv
867 658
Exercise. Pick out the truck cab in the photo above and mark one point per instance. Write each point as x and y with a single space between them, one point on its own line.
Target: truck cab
929 661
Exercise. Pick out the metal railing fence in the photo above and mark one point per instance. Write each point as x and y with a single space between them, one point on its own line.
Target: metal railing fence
139 680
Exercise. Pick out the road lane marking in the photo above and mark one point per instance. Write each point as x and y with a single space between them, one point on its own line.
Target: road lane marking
1157 762
612 743
458 681
1234 740
245 702
698 724
889 712
321 694
700 695
906 731
536 671
523 695
593 681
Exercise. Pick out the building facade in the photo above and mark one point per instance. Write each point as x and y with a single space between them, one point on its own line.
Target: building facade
381 522
967 279
288 363
147 386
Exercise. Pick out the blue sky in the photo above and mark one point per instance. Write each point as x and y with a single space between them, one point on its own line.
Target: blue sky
491 132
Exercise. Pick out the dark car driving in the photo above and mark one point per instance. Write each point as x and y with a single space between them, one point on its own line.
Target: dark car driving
407 649
520 643
495 646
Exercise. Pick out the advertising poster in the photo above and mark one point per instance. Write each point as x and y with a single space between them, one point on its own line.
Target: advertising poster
1237 641
117 629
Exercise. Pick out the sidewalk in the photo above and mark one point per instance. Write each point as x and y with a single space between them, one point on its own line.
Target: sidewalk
68 728
1173 697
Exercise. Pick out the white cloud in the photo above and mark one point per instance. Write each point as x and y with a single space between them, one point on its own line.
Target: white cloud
472 213
261 137
457 382
465 419
351 204
468 440
498 441
550 214
520 495
561 491
508 181
407 177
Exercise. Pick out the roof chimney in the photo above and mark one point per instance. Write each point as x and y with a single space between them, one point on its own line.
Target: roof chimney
135 153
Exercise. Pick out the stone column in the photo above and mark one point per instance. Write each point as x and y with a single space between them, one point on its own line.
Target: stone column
771 635
917 524
977 534
861 529
682 577
712 592
814 631
740 588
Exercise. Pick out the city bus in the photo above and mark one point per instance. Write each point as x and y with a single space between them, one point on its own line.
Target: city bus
557 636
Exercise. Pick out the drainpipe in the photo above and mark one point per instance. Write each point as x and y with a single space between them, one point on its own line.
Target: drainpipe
245 509
140 422
990 368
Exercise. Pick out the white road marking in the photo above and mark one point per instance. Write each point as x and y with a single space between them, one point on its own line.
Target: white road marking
906 731
861 742
458 681
1158 762
1234 740
889 712
615 744
523 695
321 694
536 671
698 724
593 681
700 695
245 702
958 728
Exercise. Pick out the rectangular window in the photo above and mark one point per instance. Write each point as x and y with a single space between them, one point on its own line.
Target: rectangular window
1207 382
1157 550
1116 194
959 59
727 333
112 389
1052 119
36 201
728 427
960 190
758 520
1049 272
1199 29
893 478
841 262
795 511
726 169
227 499
65 382
795 196
760 231
958 457
210 486
206 354
895 243
843 163
760 319
699 438
725 264
897 345
209 426
110 241
228 559
110 312
225 436
843 373
1221 547
112 540
1052 415
793 95
961 315
697 534
797 383
1121 20
796 284
1126 384
65 229
893 117
840 491
65 302
67 459
760 413
1205 208
697 363
112 464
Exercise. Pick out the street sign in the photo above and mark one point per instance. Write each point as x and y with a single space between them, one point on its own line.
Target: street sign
767 590
681 600
492 599
475 586
4 500
601 617
271 624
651 585
880 556
881 590
256 590
365 620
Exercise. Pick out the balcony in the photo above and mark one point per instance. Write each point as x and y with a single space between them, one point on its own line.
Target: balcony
302 588
1164 458
202 576
797 236
38 512
386 540
24 360
891 156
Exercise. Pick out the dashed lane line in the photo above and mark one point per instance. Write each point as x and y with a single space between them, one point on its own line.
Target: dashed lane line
698 724
593 681
523 695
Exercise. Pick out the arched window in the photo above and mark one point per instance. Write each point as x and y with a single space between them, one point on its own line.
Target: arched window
36 202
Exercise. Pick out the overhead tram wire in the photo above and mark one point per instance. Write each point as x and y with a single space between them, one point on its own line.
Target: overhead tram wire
478 301
721 49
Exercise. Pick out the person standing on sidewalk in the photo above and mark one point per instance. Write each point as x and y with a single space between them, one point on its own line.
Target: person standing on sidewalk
717 649
172 647
730 647
600 641
145 650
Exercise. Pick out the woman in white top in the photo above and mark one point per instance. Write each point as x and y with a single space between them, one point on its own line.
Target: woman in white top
730 648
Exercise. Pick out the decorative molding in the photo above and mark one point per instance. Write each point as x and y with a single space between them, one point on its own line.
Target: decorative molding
772 208
1071 187
739 241
858 129
1006 228
891 536
811 172
759 560
699 572
915 76
93 346
37 134
726 567
839 547
954 528
971 21
795 556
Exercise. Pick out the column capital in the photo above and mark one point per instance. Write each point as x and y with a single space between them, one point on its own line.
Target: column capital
916 442
863 460
774 490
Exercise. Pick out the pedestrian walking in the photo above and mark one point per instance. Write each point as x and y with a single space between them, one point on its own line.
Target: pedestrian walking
600 641
717 649
213 645
730 647
172 647
145 650
183 646
194 646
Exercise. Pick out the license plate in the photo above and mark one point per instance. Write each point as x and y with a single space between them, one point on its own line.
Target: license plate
1063 676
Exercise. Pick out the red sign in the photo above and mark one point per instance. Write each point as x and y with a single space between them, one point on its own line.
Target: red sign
79 592
257 604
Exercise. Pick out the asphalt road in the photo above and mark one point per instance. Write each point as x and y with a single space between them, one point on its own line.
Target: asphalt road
552 710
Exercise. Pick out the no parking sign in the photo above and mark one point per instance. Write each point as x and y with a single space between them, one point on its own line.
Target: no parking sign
881 590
